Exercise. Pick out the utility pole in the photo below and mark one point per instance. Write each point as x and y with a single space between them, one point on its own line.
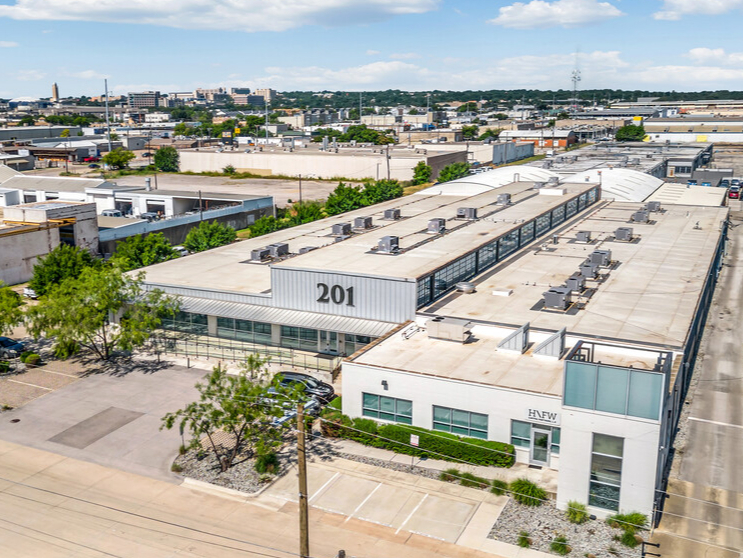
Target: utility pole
388 161
300 189
304 533
108 122
266 104
360 105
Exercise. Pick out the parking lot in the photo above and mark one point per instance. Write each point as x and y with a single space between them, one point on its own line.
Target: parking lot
428 507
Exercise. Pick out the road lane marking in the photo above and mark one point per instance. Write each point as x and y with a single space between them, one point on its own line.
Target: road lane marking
415 509
364 502
323 487
716 422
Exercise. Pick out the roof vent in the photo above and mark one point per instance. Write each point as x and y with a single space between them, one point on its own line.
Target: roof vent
640 216
392 214
259 254
436 226
553 346
467 213
653 206
388 244
600 257
279 249
306 249
558 298
624 234
553 180
503 199
538 185
583 236
466 287
449 329
517 341
362 223
342 229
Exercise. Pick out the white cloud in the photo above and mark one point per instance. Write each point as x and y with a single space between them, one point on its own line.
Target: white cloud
123 89
703 55
564 13
676 9
235 15
89 74
405 55
30 75
8 44
372 52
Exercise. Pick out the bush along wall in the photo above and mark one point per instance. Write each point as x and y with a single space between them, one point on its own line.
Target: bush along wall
432 444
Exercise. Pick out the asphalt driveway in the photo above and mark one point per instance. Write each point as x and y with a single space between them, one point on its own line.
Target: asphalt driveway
109 419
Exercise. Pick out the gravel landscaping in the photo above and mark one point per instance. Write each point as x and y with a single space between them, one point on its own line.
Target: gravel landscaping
545 522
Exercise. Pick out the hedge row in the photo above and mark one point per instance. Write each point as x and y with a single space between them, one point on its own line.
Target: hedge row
433 445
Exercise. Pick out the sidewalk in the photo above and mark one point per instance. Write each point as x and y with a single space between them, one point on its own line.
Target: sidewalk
546 478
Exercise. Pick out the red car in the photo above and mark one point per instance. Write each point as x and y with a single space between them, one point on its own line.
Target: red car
91 159
734 193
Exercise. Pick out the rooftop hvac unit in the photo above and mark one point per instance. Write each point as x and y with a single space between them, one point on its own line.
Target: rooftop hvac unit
653 206
538 185
305 249
640 216
588 269
557 297
259 254
342 228
279 249
392 213
583 236
623 233
449 329
436 226
503 199
362 223
553 180
576 282
600 257
388 244
467 213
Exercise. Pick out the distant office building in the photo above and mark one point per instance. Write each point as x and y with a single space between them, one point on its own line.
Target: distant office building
240 91
55 92
269 95
144 100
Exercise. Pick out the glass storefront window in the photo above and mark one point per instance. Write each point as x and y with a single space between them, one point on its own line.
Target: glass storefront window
558 215
387 408
606 472
543 224
463 423
508 244
527 233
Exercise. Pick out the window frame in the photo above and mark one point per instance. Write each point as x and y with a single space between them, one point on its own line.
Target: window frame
460 429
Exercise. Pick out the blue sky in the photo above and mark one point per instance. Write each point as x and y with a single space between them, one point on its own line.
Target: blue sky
177 45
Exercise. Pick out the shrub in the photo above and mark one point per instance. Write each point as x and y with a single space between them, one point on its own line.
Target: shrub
336 403
334 424
4 367
628 522
176 468
30 359
229 169
560 545
524 540
526 492
450 475
629 539
499 487
365 431
576 513
65 349
473 481
267 463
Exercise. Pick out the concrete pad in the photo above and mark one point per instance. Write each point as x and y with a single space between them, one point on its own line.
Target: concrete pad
96 427
347 495
440 518
45 379
388 506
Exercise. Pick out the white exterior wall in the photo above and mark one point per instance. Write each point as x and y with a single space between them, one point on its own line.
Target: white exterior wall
641 439
508 152
701 137
375 298
20 252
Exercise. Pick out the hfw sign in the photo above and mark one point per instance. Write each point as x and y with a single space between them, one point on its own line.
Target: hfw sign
547 417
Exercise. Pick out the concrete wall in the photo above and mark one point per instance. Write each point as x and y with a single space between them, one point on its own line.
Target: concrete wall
20 252
508 151
85 227
438 161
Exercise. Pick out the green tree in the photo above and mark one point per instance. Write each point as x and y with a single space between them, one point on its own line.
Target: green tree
551 123
422 173
468 107
492 133
240 406
630 133
181 129
306 212
453 171
78 311
413 112
500 116
379 191
11 312
26 121
65 133
63 262
118 158
208 235
167 159
344 198
469 132
140 251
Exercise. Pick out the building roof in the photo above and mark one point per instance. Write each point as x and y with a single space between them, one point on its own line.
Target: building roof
682 194
619 183
52 183
545 133
7 173
485 181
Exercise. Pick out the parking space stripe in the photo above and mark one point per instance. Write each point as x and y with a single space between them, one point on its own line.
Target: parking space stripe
324 486
716 422
32 385
415 509
364 502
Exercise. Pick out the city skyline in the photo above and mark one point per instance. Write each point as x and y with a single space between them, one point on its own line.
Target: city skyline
411 45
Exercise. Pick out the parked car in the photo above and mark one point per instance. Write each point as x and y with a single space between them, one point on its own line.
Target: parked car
735 182
707 184
28 292
724 183
311 408
93 166
734 192
309 385
10 348
181 250
111 213
91 159
150 216
146 154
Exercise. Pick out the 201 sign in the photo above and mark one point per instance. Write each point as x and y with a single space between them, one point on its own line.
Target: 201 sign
335 294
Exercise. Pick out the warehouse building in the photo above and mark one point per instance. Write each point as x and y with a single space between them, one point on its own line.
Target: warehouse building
507 305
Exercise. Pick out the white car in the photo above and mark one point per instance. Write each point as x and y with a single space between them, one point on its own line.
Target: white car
30 293
181 251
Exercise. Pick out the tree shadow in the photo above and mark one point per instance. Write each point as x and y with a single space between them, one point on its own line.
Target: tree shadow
118 365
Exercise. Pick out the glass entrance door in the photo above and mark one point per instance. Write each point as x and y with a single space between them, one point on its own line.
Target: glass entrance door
540 447
329 342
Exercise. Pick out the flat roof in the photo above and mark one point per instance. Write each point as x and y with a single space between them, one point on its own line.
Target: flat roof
648 297
52 183
193 195
682 194
228 268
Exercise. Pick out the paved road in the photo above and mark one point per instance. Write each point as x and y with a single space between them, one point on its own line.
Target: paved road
108 419
706 485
